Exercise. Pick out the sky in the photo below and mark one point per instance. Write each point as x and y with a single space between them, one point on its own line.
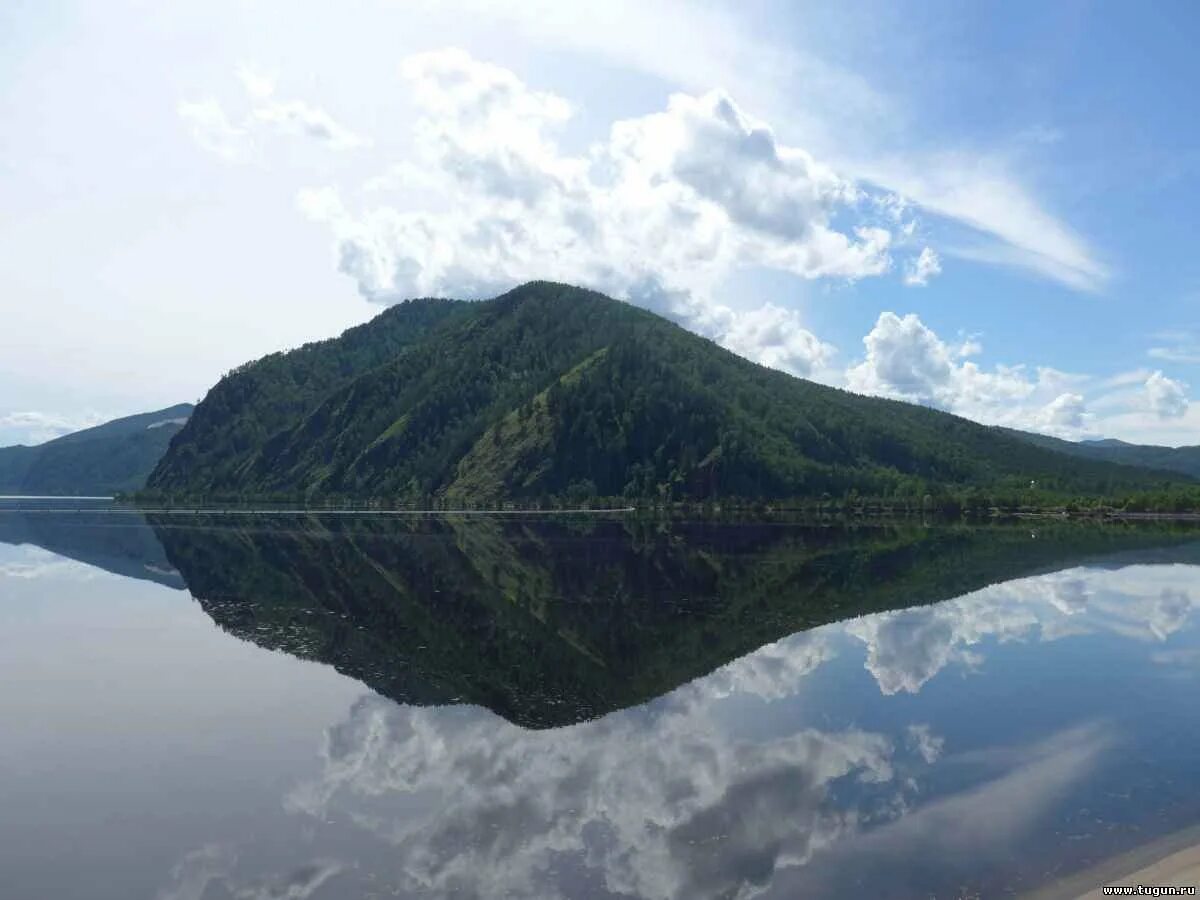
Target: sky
988 208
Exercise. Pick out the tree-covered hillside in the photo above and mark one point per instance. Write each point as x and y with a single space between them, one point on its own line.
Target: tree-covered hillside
116 456
555 391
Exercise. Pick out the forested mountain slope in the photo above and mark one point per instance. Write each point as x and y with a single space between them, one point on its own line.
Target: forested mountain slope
115 456
555 391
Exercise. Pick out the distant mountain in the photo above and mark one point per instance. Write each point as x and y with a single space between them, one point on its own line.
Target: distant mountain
115 456
555 391
1184 460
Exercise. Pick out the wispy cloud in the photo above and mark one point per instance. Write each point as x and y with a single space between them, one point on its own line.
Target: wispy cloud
34 427
239 141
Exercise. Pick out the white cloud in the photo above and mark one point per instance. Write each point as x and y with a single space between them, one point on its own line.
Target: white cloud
1065 413
212 128
917 272
297 117
926 743
1177 346
32 427
1166 396
258 84
775 337
1176 354
659 213
842 114
906 360
1015 230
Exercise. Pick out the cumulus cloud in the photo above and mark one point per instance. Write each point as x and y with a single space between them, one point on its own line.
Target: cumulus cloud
918 271
841 112
907 360
1065 413
658 213
238 142
904 359
776 337
1166 397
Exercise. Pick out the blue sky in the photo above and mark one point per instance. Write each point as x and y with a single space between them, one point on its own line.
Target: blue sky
985 207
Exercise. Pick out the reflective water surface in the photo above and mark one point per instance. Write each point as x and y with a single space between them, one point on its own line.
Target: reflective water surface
298 706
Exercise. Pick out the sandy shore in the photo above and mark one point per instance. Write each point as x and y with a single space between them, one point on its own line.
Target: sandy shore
1173 860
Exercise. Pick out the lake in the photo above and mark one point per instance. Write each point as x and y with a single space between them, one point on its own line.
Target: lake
253 706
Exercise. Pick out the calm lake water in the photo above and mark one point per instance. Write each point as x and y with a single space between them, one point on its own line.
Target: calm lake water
251 707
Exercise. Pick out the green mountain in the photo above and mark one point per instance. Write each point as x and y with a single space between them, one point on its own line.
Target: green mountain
550 621
555 391
1184 460
115 456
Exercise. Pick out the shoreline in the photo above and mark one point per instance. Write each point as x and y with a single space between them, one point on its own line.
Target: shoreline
1172 860
125 505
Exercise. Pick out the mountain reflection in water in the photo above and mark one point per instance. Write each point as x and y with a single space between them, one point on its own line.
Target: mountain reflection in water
550 622
627 708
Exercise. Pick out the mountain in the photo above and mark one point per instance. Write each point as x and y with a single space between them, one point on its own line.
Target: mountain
551 391
1183 460
115 456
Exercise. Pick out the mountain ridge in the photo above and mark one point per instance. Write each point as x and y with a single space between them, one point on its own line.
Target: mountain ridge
1182 460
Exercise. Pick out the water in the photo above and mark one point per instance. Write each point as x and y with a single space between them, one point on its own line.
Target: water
203 707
